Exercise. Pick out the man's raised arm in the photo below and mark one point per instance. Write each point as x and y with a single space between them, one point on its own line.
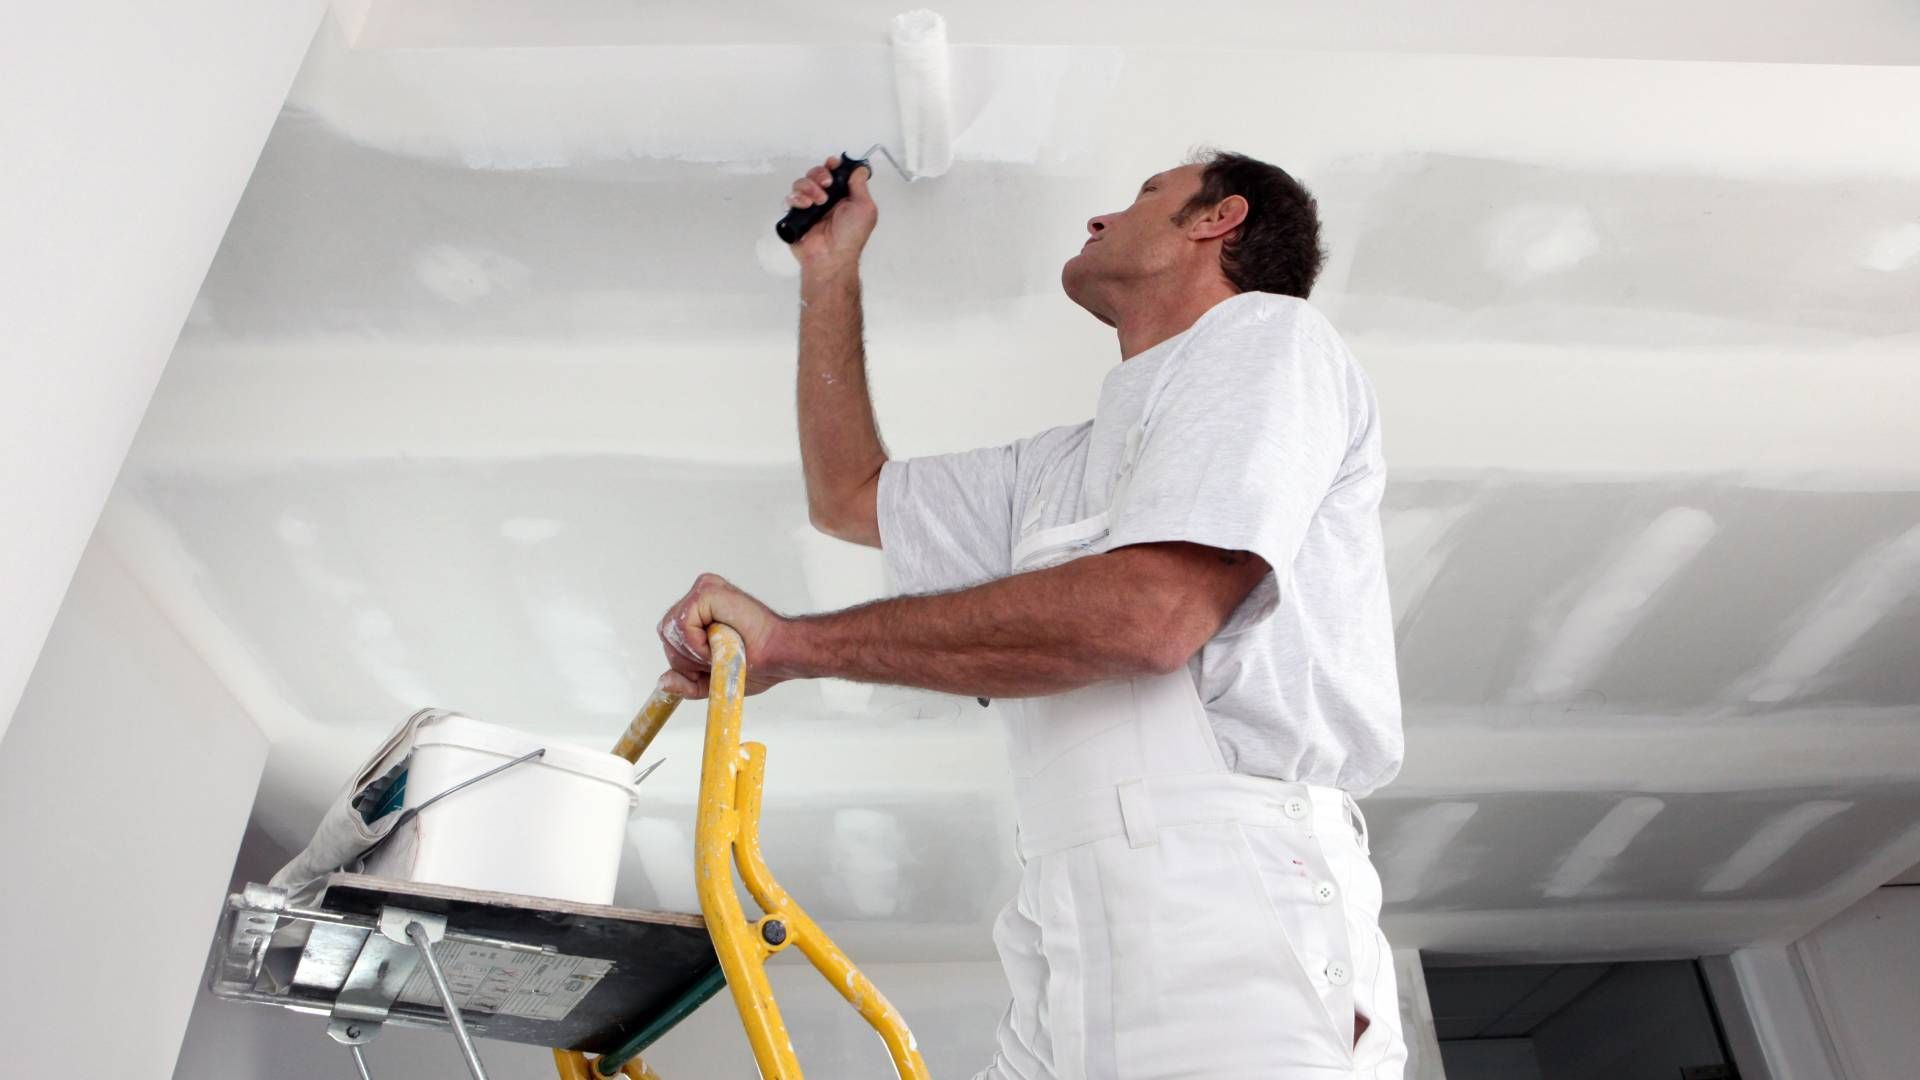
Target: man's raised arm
840 448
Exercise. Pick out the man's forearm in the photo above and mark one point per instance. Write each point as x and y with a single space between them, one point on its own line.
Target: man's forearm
1031 634
840 448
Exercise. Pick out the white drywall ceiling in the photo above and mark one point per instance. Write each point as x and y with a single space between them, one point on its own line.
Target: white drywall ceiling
1839 32
488 369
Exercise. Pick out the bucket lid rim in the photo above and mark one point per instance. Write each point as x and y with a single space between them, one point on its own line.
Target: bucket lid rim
466 733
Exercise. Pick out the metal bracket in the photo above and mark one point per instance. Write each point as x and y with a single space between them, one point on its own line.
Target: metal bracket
255 916
379 973
351 1032
353 1036
394 922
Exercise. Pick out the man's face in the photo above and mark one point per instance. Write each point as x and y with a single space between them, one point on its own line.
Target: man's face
1136 242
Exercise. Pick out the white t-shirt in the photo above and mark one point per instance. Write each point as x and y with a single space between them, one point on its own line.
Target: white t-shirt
1264 437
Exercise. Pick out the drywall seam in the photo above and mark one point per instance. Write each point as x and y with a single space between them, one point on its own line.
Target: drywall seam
1570 655
1484 751
1772 842
1806 421
1422 839
1860 596
1601 846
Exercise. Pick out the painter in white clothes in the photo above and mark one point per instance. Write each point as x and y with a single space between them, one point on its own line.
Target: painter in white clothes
1248 905
1195 896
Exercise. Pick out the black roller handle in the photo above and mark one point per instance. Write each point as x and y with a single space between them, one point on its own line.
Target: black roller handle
795 225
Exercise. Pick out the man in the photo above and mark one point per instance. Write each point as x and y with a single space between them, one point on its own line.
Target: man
1181 606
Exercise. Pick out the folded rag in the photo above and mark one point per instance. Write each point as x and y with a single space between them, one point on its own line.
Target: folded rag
345 834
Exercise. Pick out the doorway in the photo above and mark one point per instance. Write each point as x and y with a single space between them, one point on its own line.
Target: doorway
1605 1021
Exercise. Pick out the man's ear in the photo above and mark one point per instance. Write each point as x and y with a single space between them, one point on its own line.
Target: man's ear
1225 216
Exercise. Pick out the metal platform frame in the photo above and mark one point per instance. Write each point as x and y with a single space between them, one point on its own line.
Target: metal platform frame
349 954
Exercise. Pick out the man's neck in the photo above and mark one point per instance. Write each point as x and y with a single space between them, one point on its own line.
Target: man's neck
1154 319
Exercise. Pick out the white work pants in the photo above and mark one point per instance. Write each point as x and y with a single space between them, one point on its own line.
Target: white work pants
1175 918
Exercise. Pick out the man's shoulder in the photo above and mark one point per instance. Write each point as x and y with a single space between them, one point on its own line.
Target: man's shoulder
1052 443
1277 312
1263 332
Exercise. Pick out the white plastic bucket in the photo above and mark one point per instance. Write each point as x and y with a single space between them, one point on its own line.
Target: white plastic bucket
554 826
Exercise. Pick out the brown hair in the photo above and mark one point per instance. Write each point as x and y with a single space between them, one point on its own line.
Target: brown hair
1277 248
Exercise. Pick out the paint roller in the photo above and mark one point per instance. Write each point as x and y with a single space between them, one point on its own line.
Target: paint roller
920 85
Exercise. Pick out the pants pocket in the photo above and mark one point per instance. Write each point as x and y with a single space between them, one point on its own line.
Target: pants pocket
1307 905
1382 1051
1206 977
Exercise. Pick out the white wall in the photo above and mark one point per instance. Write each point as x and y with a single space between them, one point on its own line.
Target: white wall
1416 1017
129 131
1738 1021
125 782
1778 1001
1864 971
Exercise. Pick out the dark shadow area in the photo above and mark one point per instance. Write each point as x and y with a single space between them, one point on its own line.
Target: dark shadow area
1626 1021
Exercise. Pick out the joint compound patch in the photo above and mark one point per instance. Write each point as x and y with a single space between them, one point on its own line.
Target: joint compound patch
505 982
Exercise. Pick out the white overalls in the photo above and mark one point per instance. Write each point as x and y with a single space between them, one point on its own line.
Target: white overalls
1175 918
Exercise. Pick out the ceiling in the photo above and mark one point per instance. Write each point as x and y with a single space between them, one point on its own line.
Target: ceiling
443 427
1841 32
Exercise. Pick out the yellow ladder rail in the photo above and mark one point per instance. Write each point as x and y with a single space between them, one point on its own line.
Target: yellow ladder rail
727 834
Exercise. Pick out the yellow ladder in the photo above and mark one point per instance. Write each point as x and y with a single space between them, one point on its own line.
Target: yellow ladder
727 834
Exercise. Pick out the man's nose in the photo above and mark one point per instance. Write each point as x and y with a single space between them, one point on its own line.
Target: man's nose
1094 225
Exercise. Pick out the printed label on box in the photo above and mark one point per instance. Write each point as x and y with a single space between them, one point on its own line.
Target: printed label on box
506 982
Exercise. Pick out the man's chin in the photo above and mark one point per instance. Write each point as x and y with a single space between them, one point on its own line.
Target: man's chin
1073 285
1073 273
